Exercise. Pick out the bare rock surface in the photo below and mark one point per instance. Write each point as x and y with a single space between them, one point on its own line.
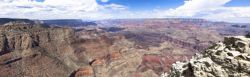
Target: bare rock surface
38 51
28 50
230 58
33 50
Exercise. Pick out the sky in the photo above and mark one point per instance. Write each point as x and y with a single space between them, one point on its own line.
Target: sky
214 10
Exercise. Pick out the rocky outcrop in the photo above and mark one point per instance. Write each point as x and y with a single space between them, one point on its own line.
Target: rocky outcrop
3 41
85 72
38 51
35 50
7 20
230 58
112 56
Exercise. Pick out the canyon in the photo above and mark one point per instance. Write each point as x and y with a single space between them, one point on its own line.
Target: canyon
105 48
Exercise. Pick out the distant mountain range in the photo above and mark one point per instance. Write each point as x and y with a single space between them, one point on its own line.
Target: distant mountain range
114 22
69 22
6 20
59 22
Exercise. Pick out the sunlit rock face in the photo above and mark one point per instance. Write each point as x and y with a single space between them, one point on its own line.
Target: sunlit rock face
35 50
38 51
230 58
85 72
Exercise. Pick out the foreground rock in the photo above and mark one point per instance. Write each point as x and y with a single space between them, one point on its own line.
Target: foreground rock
230 58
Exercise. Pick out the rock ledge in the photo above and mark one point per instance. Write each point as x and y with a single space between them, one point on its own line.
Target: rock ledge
230 58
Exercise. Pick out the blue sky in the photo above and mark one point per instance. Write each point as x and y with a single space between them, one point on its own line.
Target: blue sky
238 3
39 0
216 10
138 5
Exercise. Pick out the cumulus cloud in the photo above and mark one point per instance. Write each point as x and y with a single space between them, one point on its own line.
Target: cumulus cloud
210 9
56 9
192 7
90 9
214 10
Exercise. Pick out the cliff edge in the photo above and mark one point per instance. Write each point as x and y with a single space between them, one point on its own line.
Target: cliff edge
230 58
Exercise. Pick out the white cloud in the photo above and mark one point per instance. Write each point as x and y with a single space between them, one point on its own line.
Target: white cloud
210 9
56 9
230 14
192 7
90 9
207 9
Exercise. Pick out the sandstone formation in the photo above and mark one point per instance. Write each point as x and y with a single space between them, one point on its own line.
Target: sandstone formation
39 51
35 50
230 58
85 72
112 56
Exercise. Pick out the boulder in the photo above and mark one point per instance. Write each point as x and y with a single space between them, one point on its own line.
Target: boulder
227 59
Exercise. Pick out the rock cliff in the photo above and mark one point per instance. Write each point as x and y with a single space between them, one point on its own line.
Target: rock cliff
230 58
39 51
35 50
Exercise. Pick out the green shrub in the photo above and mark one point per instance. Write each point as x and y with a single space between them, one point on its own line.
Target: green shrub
247 35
